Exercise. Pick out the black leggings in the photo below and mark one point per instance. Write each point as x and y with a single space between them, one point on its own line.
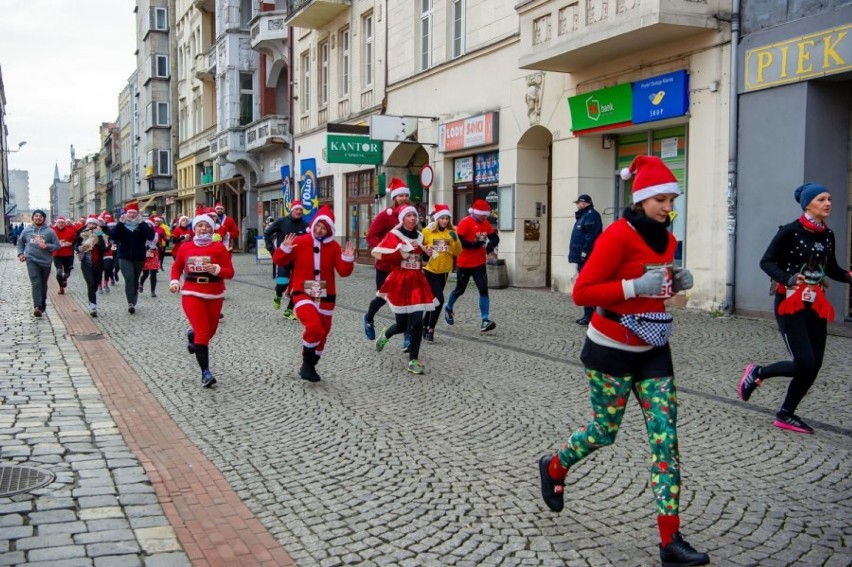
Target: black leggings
804 333
377 302
145 274
437 282
64 265
409 323
93 276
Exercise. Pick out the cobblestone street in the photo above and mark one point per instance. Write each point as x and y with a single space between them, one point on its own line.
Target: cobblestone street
374 466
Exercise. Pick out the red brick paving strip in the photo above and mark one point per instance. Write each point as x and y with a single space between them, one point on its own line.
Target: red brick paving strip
214 526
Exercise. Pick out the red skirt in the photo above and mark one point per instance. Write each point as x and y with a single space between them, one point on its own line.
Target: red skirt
407 291
152 261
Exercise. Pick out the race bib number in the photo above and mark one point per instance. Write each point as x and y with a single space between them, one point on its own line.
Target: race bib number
482 237
36 240
411 263
316 288
441 245
113 247
149 253
808 295
195 264
667 290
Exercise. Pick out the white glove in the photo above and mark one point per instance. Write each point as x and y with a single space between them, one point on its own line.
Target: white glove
682 280
650 283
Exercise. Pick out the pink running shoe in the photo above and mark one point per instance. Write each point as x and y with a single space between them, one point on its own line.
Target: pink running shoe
749 382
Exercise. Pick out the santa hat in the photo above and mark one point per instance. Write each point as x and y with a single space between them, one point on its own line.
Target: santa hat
92 219
326 216
296 204
205 218
132 207
653 177
60 218
441 210
180 219
397 187
217 205
480 208
402 211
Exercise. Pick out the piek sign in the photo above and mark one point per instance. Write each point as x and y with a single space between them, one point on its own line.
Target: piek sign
353 149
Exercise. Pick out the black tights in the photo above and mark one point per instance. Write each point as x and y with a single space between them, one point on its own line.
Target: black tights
202 355
145 274
377 302
409 323
437 282
804 333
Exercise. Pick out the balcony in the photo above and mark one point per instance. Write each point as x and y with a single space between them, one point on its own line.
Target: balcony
205 5
203 69
269 34
270 131
314 14
231 140
568 35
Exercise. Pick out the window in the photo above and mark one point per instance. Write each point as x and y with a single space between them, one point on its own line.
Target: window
158 20
325 190
457 30
245 13
161 162
159 67
360 183
344 62
367 66
425 39
246 98
306 81
158 114
322 77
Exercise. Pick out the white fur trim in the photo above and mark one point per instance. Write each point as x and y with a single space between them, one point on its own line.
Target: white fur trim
671 188
440 214
285 249
174 282
405 210
626 174
327 221
218 269
206 218
346 258
479 212
627 288
202 295
400 191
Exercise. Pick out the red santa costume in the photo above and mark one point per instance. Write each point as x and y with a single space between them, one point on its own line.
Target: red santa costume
180 234
406 289
202 291
228 229
63 257
314 261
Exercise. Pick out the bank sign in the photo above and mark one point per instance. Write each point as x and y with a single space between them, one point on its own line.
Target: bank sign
604 108
819 54
353 149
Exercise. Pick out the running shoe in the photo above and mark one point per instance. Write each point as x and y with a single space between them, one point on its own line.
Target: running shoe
792 422
415 367
369 329
131 308
36 312
679 552
288 314
487 325
449 317
61 290
106 289
406 343
429 335
381 341
552 491
276 303
749 382
207 379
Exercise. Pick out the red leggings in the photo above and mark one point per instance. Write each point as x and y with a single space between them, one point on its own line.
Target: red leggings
317 324
203 315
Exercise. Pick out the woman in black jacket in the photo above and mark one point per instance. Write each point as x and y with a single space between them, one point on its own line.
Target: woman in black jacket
798 259
131 234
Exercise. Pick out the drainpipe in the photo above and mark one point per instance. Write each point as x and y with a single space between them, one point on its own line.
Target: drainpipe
731 193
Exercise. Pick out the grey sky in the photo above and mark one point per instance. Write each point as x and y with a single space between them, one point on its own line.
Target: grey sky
64 63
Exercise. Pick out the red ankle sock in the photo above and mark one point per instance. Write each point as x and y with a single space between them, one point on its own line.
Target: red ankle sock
668 525
556 470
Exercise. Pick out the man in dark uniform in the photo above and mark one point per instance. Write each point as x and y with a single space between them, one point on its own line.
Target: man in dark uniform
587 228
291 224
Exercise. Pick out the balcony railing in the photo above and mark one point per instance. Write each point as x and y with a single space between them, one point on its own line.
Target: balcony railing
272 130
314 14
366 99
567 35
269 34
231 140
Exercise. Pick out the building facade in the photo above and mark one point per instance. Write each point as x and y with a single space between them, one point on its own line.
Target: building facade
18 206
795 88
60 196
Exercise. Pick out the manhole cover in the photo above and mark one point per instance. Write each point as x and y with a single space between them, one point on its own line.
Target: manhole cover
15 479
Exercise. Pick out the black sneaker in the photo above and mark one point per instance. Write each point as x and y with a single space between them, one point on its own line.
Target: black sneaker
309 372
131 309
749 382
792 422
406 343
449 317
429 335
487 325
679 553
583 321
551 490
190 341
207 379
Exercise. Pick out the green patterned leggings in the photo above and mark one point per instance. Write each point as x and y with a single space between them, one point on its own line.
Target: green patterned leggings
658 398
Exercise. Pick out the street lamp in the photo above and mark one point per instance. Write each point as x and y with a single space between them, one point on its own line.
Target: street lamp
20 145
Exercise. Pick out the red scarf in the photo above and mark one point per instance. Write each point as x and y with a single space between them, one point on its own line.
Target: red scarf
811 225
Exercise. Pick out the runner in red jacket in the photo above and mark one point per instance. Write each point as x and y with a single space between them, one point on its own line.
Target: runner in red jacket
63 257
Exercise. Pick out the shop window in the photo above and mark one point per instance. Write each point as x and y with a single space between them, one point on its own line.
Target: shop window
325 190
